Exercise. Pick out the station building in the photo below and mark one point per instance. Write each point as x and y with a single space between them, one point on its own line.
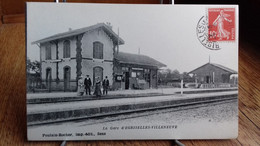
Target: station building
212 73
93 51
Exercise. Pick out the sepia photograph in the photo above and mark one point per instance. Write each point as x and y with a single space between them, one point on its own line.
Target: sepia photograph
112 72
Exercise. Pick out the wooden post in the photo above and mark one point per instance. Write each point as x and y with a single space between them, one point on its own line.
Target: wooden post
181 86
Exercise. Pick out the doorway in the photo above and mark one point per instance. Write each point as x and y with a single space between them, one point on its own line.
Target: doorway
97 72
207 79
48 79
66 79
126 80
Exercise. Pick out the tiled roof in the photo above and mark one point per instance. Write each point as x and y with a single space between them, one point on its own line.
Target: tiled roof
128 58
105 27
225 68
218 66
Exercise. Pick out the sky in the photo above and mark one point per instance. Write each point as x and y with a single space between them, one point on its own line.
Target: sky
164 32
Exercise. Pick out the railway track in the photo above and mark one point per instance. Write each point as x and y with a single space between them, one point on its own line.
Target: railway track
137 114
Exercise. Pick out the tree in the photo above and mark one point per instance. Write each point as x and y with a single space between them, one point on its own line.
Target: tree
187 77
168 75
33 75
33 66
176 74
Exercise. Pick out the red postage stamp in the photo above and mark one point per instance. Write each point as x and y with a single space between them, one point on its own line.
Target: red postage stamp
221 23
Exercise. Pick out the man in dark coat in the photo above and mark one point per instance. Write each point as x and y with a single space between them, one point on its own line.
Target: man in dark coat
105 85
87 83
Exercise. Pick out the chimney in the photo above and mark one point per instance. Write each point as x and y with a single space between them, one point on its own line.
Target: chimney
70 29
109 25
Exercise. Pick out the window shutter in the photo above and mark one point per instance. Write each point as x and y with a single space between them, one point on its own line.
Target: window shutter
66 49
97 50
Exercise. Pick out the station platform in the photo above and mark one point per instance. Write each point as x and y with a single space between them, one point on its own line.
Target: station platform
54 97
67 111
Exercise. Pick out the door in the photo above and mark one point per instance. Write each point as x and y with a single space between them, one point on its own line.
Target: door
97 72
208 79
126 80
66 79
48 79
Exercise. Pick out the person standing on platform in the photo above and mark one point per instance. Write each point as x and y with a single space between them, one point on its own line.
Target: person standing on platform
98 88
80 86
87 83
105 85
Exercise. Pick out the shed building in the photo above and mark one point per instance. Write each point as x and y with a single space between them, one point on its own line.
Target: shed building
212 73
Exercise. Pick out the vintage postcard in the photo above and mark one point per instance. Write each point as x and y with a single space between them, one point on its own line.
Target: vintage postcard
114 72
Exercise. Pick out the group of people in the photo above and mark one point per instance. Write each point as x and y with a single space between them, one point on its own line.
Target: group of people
85 85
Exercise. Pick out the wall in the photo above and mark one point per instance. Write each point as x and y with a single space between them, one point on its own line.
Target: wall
72 47
208 70
47 63
88 66
88 62
153 78
70 62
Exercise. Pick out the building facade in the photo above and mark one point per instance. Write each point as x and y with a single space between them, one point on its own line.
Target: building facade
137 71
92 51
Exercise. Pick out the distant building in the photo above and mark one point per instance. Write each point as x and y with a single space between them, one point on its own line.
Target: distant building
210 73
93 51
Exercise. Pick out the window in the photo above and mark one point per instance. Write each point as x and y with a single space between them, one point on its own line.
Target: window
48 52
133 74
138 74
125 69
66 49
97 50
147 75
